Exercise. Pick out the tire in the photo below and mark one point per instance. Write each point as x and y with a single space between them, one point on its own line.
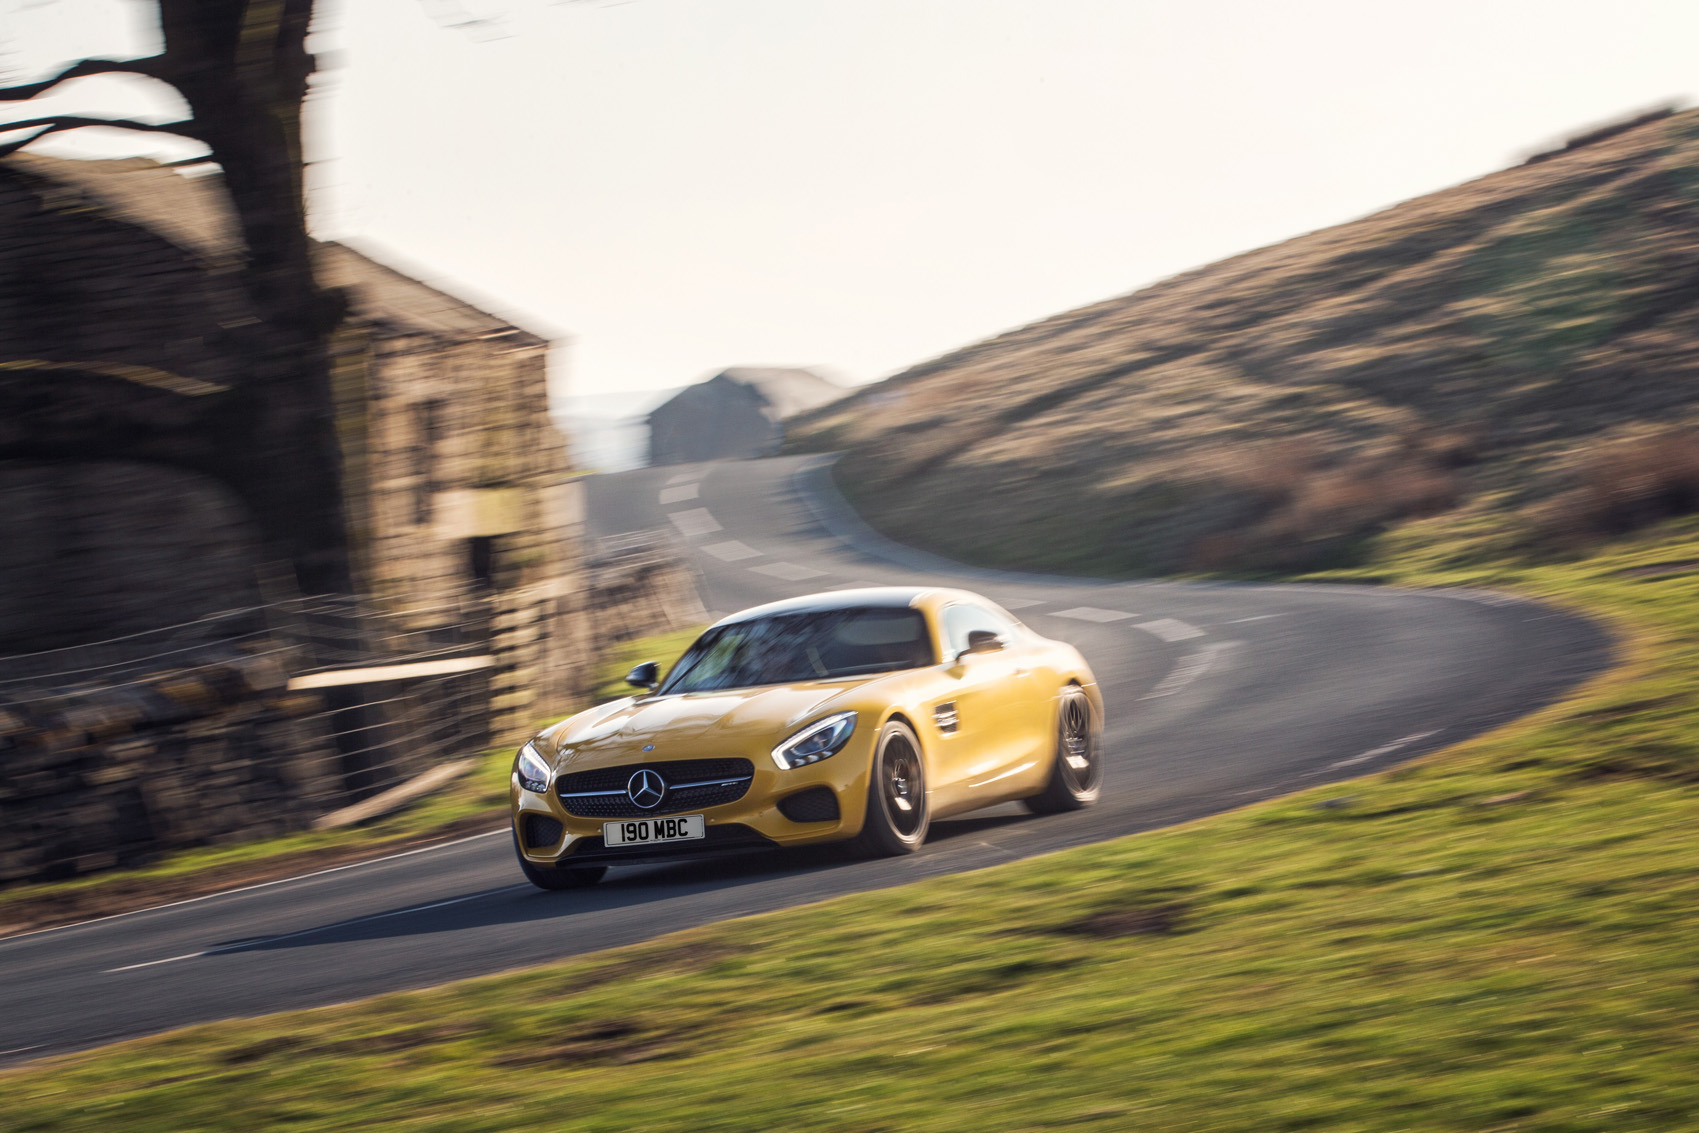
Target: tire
548 877
1076 771
897 812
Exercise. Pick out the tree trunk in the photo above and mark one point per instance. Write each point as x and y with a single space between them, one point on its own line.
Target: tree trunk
242 66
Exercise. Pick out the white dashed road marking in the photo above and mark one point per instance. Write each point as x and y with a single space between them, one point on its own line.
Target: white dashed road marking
1019 603
1384 749
1255 618
1191 667
1170 629
151 963
683 477
731 551
679 494
694 523
790 572
1093 614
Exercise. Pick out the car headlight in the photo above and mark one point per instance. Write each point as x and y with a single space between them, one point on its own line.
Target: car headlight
820 740
533 770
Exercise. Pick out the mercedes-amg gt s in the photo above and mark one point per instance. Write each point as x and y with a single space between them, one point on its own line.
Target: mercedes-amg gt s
857 715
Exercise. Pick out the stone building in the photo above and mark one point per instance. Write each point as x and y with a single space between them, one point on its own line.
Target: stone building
120 274
150 658
736 414
459 480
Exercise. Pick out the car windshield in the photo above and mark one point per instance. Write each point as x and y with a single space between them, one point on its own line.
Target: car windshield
787 648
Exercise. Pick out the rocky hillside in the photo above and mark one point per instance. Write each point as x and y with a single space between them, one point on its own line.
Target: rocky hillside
1504 347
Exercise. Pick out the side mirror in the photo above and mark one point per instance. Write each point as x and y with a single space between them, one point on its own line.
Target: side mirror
647 675
981 641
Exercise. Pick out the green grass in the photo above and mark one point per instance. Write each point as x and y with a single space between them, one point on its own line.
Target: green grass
1501 937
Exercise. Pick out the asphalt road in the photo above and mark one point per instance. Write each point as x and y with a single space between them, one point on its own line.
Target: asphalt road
1217 695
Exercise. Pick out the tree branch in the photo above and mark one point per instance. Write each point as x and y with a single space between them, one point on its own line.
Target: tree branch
148 67
187 128
9 148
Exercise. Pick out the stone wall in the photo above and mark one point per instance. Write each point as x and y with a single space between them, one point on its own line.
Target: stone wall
111 776
250 725
639 586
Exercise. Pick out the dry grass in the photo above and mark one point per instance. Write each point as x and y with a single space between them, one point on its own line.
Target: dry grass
1274 411
1316 510
1622 485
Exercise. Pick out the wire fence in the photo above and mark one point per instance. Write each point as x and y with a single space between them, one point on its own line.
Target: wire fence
383 694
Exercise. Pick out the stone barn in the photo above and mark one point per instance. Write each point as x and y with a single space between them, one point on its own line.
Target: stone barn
145 644
116 297
736 414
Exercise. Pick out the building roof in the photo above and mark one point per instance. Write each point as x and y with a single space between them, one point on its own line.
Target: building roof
787 390
195 213
782 391
385 295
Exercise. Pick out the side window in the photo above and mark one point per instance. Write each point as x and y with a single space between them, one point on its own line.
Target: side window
961 620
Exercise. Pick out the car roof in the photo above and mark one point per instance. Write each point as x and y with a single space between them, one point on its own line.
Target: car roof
865 597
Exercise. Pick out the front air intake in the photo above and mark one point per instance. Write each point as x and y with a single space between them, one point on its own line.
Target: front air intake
817 804
541 832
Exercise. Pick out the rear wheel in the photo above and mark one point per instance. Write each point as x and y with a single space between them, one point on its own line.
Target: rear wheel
897 814
1076 776
550 877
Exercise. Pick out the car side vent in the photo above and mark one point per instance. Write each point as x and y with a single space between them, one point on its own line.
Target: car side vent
944 715
541 832
817 804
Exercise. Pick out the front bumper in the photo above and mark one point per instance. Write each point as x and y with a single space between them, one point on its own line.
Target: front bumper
751 822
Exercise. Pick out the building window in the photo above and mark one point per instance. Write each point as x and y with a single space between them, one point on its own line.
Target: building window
483 556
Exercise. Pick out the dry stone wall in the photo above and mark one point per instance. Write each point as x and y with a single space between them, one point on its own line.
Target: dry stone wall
111 776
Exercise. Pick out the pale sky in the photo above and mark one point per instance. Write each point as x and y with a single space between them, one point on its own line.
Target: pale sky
677 186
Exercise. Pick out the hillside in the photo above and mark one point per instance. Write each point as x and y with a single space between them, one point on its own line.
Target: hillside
1503 348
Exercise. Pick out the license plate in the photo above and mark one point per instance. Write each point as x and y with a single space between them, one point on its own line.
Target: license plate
646 831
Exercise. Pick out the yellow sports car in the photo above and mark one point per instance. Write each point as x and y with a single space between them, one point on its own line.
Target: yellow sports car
854 715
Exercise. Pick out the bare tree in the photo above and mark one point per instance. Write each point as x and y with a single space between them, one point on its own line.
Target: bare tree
243 68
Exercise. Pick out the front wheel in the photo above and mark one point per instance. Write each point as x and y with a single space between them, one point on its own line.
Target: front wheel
1076 777
897 814
549 877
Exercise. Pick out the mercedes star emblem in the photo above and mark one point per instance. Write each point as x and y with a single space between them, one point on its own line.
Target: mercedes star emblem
646 789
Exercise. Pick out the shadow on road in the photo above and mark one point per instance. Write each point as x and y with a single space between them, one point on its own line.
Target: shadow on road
625 887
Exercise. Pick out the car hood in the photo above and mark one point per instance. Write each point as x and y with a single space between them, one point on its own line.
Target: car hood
694 724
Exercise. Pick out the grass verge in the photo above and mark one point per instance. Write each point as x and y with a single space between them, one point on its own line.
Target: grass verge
474 803
1501 937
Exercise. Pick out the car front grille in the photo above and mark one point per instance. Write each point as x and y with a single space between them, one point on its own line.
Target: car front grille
692 784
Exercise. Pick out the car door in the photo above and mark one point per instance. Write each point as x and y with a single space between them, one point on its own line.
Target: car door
987 699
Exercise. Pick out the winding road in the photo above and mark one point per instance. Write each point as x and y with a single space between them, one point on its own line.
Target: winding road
1218 695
